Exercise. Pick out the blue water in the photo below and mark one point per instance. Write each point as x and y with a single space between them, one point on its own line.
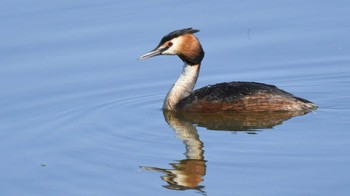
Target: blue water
81 116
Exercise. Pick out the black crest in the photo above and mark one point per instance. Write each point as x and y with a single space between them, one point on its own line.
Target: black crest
177 33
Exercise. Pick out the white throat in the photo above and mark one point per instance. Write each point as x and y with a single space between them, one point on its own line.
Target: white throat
183 86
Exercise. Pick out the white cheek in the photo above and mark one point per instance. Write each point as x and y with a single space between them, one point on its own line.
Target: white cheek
173 50
170 51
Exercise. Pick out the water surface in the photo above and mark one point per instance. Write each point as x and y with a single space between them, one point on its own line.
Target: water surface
81 116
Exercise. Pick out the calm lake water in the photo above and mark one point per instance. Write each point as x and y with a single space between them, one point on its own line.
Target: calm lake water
81 116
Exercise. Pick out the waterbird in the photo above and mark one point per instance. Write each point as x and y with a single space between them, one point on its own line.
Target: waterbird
227 96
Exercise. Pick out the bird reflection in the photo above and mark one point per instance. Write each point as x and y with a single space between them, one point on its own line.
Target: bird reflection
189 172
233 121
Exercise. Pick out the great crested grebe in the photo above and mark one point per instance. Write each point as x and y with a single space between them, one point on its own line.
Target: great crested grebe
227 96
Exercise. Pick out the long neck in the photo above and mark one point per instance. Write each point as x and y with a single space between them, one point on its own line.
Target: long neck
183 86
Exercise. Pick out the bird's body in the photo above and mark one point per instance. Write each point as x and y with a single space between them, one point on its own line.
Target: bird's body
228 96
242 97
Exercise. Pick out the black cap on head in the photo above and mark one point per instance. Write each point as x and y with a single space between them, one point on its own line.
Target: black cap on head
177 33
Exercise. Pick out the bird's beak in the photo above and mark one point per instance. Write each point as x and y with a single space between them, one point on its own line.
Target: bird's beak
155 52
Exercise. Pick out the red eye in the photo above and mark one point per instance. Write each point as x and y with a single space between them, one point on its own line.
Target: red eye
170 44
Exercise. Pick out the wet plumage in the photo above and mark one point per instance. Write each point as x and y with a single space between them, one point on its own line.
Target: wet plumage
242 96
